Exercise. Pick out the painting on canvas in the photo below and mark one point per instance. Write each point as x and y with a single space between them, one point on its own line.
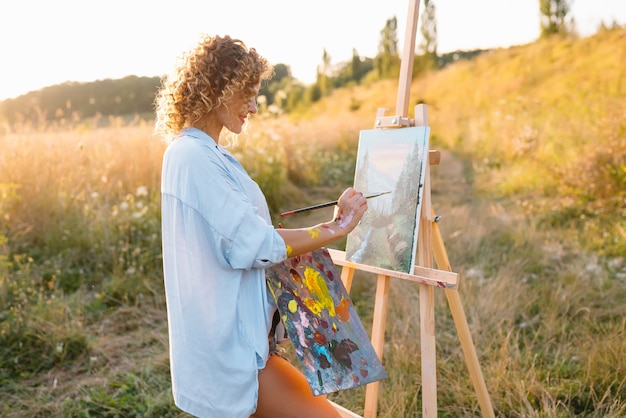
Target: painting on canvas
389 160
322 324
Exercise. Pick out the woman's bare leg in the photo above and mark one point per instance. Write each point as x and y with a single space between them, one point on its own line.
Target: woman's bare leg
284 393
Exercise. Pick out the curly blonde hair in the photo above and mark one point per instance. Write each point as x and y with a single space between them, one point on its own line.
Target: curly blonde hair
206 76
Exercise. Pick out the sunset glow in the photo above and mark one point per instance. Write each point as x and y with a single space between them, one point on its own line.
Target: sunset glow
73 40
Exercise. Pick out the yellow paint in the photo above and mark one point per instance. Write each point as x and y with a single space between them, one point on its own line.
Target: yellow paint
313 305
289 250
314 232
293 305
318 289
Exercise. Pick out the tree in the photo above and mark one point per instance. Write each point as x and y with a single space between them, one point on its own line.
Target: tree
553 14
428 46
351 72
387 62
323 82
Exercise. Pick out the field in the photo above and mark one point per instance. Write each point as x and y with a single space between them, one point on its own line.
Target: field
532 194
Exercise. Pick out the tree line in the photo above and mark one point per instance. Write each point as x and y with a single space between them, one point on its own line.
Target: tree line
132 95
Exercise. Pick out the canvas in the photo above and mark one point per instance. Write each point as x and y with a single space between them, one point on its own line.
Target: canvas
389 160
322 324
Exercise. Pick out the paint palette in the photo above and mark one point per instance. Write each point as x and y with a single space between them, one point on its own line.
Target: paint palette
329 339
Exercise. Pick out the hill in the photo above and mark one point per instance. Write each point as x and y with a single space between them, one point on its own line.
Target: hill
73 101
543 125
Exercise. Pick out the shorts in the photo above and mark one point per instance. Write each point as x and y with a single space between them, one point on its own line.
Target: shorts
277 335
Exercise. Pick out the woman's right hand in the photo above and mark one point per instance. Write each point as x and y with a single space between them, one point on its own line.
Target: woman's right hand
348 213
350 208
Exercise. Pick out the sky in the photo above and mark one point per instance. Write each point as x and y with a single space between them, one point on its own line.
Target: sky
48 42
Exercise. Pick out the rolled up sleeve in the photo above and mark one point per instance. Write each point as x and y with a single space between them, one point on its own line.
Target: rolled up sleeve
256 245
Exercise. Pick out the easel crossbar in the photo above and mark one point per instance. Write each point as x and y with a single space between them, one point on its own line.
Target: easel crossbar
422 275
344 412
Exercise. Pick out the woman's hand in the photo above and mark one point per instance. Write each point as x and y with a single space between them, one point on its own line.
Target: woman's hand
350 209
348 213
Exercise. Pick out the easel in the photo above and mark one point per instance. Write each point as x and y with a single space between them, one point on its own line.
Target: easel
430 245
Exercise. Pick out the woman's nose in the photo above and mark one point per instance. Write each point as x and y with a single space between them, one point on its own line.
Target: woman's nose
252 106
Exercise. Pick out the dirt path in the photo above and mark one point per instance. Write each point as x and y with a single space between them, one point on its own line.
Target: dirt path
449 185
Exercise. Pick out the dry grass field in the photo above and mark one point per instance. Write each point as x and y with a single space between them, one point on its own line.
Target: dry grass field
531 191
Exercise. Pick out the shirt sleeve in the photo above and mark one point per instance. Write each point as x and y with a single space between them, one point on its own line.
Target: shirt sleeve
243 239
247 240
256 243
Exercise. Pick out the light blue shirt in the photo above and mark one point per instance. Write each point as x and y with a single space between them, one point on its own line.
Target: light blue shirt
217 240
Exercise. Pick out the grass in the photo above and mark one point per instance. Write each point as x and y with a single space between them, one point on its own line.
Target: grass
531 194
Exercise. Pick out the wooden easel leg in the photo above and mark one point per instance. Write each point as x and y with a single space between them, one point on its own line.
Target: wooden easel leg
347 275
378 341
462 328
427 308
429 354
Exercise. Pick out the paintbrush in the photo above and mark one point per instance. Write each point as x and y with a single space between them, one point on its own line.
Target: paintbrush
324 205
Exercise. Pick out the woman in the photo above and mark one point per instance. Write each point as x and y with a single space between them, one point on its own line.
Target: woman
218 239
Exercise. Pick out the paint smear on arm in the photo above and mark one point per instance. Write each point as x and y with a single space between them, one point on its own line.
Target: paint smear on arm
314 232
343 222
329 229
